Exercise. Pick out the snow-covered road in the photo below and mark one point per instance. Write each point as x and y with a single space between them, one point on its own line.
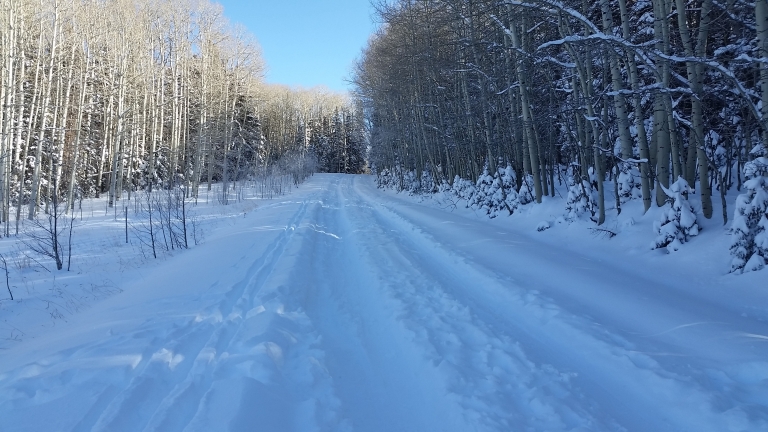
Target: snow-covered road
345 308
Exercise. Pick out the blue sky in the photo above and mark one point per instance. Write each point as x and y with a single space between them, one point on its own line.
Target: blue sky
306 42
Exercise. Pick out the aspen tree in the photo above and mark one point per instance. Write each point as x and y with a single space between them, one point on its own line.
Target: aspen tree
695 70
525 107
761 20
34 112
645 154
83 87
43 108
617 83
13 55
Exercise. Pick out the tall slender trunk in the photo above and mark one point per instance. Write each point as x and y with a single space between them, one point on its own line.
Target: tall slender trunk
761 18
620 104
696 150
52 154
662 135
528 125
43 121
642 139
78 135
33 119
117 148
106 138
8 46
64 117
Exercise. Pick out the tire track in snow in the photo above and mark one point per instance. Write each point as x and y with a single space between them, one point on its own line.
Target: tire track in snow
482 368
158 388
270 372
380 376
181 404
273 362
164 383
604 375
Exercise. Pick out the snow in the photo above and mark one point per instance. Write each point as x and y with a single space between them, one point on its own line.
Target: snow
678 222
342 307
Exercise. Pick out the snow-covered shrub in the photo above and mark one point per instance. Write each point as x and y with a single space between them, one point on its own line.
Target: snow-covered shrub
496 196
582 195
482 190
629 183
428 183
716 153
543 226
749 247
510 198
386 179
525 194
445 187
463 189
411 183
758 150
678 219
493 195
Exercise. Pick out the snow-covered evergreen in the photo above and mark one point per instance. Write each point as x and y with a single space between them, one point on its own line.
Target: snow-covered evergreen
510 199
582 196
749 228
463 189
427 183
483 189
678 223
386 179
629 183
496 195
411 183
526 193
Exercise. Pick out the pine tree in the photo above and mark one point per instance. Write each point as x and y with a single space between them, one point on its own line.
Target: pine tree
463 189
511 201
501 194
355 144
749 247
526 192
629 183
582 196
678 219
483 186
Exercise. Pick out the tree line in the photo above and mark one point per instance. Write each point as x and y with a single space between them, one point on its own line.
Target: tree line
659 89
339 142
117 96
639 92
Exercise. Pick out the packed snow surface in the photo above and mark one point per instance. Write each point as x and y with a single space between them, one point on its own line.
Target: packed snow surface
345 308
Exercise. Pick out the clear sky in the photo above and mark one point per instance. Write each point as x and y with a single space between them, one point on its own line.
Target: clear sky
306 42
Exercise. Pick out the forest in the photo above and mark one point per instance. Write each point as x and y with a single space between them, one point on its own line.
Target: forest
119 96
536 215
499 101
